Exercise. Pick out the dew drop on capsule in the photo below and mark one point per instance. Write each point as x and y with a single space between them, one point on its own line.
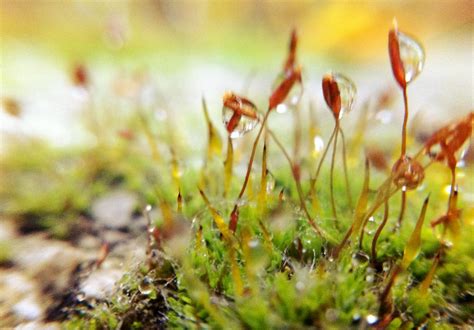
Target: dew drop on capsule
347 92
239 116
293 97
412 56
243 126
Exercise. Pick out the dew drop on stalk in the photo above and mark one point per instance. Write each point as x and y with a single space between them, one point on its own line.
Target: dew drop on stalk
412 56
146 286
239 115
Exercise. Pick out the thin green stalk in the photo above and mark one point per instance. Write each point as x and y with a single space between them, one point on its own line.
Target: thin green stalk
249 167
378 232
346 176
331 177
318 169
298 186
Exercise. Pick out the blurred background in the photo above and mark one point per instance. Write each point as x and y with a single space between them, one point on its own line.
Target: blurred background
107 79
194 48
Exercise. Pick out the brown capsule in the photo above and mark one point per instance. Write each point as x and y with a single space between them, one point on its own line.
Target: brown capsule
80 76
281 92
450 139
339 93
407 56
395 59
234 219
291 59
239 114
11 106
377 158
407 173
126 134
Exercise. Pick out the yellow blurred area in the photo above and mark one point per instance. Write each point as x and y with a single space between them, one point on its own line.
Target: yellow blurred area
342 29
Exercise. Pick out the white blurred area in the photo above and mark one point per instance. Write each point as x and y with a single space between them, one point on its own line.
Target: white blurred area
192 49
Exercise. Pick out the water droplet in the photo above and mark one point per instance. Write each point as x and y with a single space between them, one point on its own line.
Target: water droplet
146 286
372 219
318 145
370 275
293 97
270 182
331 259
371 319
359 257
407 173
121 299
412 56
239 115
467 156
347 93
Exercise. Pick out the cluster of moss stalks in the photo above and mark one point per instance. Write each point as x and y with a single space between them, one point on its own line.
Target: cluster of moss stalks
295 250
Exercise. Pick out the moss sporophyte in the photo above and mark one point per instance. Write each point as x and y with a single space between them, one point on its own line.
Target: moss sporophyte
288 246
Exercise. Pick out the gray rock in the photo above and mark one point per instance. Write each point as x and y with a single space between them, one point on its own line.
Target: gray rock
100 283
114 210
